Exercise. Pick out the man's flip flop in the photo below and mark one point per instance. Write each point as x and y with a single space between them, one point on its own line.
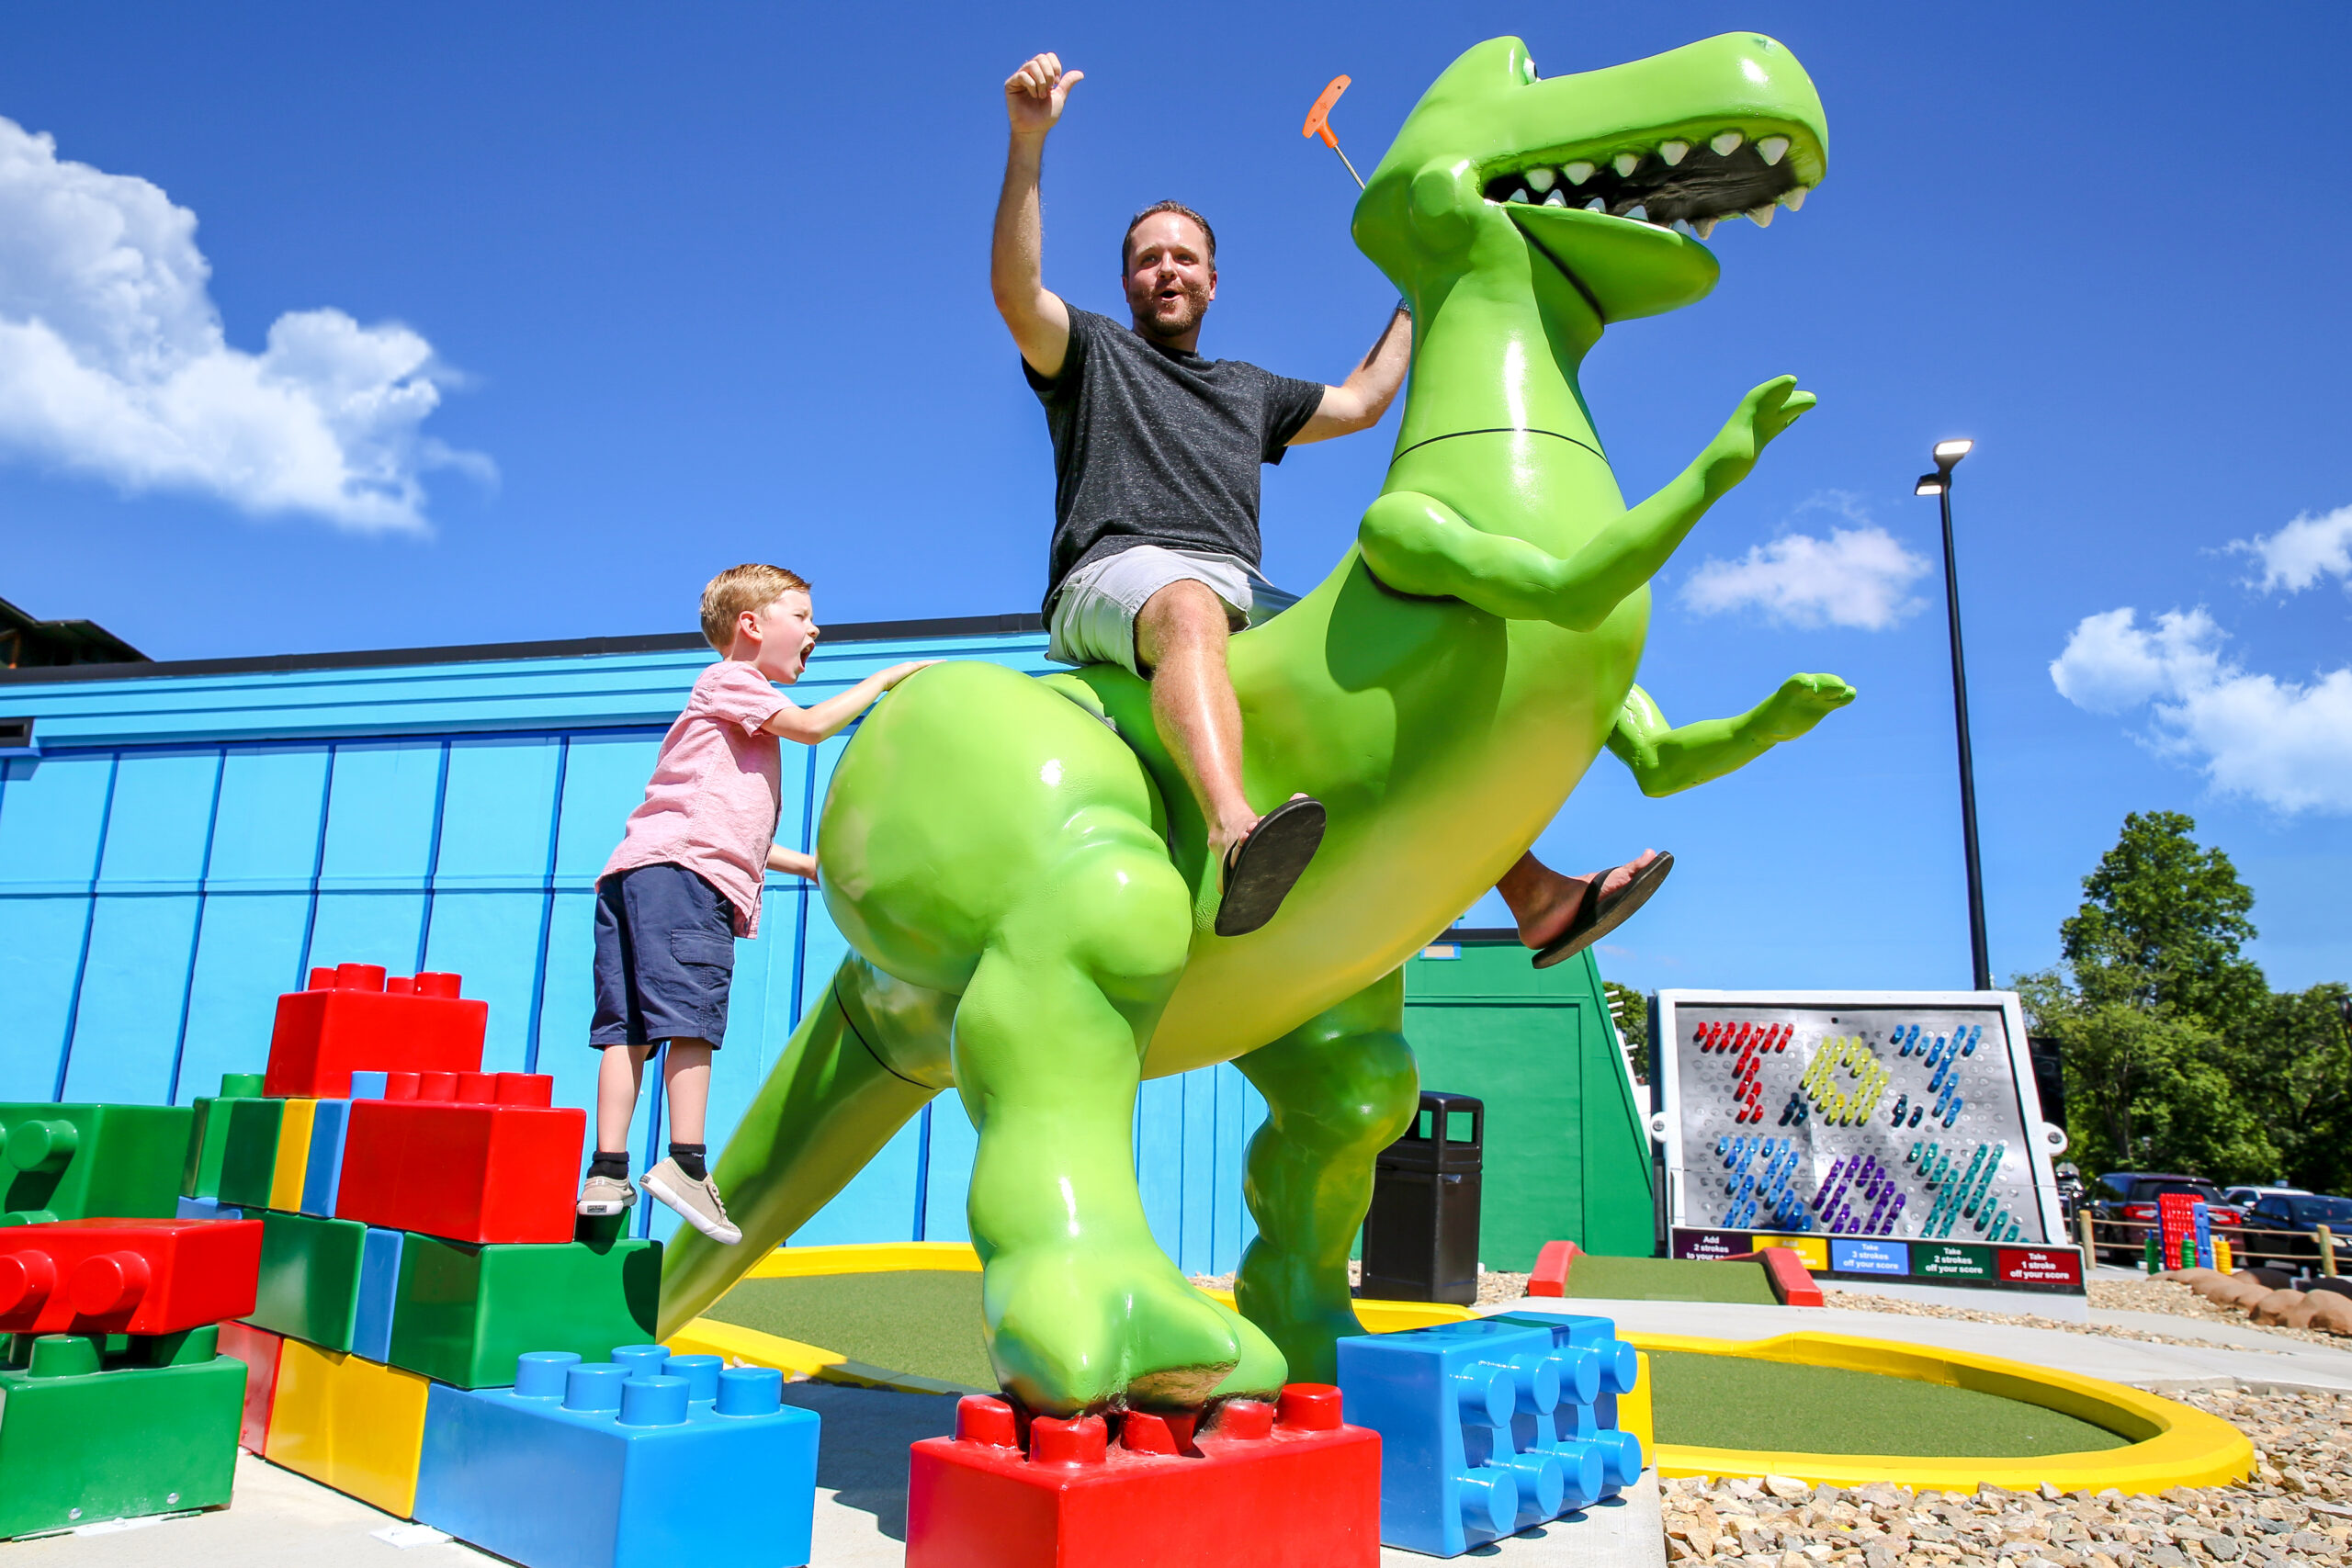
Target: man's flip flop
1261 869
1600 914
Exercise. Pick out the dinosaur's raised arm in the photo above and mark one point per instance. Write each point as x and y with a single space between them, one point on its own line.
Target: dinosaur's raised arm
1417 543
1668 757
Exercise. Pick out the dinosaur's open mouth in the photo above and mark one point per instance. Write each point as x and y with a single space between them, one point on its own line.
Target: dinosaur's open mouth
1686 183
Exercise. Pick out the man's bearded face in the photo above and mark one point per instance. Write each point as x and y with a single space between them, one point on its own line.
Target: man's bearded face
1170 278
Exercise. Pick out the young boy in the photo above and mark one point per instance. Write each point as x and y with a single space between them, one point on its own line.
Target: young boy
686 880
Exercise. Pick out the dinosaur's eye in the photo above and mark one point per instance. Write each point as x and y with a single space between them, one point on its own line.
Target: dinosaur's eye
1527 68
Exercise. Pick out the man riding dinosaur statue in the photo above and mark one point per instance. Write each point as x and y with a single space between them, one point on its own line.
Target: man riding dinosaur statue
1026 888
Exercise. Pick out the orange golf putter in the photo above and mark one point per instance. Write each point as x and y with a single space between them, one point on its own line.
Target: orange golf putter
1318 123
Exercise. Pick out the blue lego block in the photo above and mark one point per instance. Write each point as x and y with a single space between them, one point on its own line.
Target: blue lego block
207 1209
323 1175
1478 1432
648 1460
379 1281
1618 1368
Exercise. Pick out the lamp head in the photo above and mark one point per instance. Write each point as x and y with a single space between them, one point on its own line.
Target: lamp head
1932 484
1948 453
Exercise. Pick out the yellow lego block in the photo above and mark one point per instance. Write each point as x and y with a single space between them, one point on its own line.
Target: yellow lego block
356 1425
293 1154
1634 1412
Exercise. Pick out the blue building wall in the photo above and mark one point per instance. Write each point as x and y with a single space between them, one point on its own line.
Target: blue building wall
182 843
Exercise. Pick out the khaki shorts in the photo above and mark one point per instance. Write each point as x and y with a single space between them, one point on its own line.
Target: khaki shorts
1094 614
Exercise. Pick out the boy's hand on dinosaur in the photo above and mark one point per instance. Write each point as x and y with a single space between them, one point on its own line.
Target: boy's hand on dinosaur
1762 415
1802 702
1034 94
898 672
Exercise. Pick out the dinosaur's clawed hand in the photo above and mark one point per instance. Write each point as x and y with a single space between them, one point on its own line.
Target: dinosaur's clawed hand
1802 702
1763 414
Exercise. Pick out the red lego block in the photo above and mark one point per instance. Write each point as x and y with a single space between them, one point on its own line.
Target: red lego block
1785 1272
1275 1487
468 1156
127 1276
258 1350
1551 1266
353 1018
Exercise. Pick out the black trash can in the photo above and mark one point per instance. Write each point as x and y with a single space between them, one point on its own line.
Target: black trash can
1420 1238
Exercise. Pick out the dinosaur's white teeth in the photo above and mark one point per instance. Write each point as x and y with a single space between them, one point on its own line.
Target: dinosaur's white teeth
1519 195
1761 215
1771 147
1673 151
1793 197
1727 143
1682 226
1639 214
1577 173
1596 205
1625 164
1704 226
1557 199
1540 180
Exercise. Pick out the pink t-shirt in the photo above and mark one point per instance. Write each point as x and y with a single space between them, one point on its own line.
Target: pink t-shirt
711 804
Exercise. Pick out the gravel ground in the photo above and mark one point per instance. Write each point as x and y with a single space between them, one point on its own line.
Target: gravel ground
2295 1511
2110 1295
1492 1288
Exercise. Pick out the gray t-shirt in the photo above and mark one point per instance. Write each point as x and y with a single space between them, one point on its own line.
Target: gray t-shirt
1157 446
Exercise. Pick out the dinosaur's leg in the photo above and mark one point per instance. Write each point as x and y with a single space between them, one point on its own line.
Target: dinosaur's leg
1083 1309
1338 1088
827 1108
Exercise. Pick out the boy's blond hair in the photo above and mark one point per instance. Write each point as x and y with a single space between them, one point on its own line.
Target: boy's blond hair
737 589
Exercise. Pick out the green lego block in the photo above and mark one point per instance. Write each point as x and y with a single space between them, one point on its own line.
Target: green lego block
249 1158
310 1279
208 1140
84 1441
85 1162
463 1312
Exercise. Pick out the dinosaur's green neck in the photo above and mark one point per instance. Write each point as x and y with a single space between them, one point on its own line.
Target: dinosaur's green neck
1496 348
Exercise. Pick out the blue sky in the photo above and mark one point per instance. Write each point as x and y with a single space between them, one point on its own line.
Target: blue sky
520 320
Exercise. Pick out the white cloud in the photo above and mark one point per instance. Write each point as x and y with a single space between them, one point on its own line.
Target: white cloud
2286 745
1858 576
2299 554
113 363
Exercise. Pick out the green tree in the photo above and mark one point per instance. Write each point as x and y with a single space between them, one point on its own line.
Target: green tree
2162 923
1631 1011
2293 1062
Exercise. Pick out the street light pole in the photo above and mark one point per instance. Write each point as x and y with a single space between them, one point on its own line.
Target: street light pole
1948 454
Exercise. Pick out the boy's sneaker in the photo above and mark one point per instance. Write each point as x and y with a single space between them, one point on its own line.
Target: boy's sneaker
697 1201
604 1195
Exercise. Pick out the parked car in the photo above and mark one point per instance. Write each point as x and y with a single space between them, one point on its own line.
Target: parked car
2299 1214
2247 1197
2131 1195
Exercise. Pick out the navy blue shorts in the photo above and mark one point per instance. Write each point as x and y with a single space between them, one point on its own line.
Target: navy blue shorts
665 954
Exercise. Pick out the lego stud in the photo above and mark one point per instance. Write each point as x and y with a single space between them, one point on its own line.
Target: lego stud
1579 1370
398 985
478 1089
1489 1499
653 1402
63 1356
1484 1394
1620 1457
701 1373
594 1386
403 1086
27 1278
436 984
1584 1474
642 1361
1621 1367
526 1090
1245 1420
358 977
1542 1480
1535 1381
42 1145
434 1086
981 1418
322 980
1147 1432
1309 1407
540 1374
1077 1440
108 1283
749 1390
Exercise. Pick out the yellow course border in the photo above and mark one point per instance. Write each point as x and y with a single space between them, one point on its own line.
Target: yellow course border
2171 1444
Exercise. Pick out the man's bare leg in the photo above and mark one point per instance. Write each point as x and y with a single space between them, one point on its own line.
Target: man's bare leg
1542 901
1181 638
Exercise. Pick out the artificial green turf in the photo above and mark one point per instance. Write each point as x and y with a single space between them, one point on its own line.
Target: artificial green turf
1669 1280
921 1320
1730 1402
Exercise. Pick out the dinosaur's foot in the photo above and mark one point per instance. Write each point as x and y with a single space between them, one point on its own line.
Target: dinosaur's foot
1085 1326
1304 1307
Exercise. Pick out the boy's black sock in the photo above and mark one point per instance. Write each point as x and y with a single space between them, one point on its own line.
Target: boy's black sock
689 1158
606 1163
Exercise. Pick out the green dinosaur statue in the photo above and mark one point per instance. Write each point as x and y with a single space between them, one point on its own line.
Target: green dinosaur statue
1021 873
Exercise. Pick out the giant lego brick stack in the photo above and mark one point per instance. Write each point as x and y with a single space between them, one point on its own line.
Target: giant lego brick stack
116 1401
1493 1425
